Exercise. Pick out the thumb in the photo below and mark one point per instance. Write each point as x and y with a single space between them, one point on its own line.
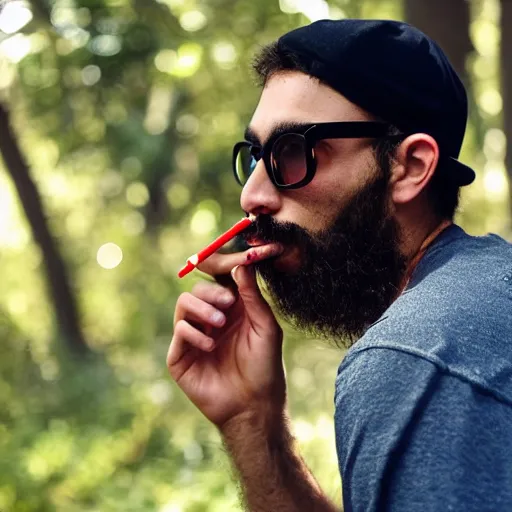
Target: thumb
256 306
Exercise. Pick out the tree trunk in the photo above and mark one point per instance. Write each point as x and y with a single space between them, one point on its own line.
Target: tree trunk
447 23
506 84
60 290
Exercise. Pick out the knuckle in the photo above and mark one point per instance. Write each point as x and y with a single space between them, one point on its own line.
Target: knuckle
183 299
182 306
224 295
180 329
199 289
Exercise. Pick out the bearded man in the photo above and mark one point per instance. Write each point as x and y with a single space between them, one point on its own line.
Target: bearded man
350 167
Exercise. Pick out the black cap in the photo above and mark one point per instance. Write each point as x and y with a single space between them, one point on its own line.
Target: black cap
393 71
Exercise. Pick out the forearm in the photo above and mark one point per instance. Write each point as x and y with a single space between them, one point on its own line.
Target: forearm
272 473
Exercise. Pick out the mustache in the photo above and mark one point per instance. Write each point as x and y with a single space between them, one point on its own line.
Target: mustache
268 230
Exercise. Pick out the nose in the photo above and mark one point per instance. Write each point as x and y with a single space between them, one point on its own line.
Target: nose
259 195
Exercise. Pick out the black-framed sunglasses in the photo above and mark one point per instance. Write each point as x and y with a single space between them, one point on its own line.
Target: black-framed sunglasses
289 156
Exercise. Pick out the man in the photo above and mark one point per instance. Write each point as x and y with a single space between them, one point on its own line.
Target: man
349 166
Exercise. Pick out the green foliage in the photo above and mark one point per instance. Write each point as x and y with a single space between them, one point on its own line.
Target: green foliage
127 112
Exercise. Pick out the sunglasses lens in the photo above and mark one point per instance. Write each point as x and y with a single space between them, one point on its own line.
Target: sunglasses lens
245 164
289 163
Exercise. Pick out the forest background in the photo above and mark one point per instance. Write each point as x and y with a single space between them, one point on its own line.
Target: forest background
117 120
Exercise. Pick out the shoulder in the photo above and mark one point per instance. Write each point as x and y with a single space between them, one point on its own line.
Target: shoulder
456 312
459 262
460 278
460 269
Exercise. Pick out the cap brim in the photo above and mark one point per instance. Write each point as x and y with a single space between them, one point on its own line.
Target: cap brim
460 173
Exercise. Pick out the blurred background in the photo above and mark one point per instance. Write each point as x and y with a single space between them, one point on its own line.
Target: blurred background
117 120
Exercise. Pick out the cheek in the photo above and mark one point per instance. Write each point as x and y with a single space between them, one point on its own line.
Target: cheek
315 206
343 170
335 183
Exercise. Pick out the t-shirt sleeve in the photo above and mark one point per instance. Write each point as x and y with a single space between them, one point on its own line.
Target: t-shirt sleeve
412 437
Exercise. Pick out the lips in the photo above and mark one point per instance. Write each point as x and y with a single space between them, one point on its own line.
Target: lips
256 242
263 251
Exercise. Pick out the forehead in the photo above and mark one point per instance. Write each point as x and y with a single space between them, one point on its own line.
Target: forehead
293 97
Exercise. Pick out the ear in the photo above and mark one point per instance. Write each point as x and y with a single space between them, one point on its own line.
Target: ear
414 165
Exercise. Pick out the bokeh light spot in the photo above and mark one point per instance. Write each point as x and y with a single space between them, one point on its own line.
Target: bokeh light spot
188 61
485 36
203 222
160 392
105 45
495 182
335 13
178 196
313 9
157 112
15 48
111 183
17 303
13 16
495 143
183 63
63 16
211 205
137 194
192 21
109 256
491 102
165 60
91 75
303 431
224 54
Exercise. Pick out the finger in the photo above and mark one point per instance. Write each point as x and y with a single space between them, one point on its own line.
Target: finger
256 306
219 264
218 296
186 337
191 308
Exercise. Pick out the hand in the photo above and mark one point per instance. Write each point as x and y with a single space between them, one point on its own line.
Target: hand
226 351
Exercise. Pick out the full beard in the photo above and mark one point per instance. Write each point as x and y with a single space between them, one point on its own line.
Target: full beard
349 273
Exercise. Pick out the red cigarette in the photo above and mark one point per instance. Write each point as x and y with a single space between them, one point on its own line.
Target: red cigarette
195 259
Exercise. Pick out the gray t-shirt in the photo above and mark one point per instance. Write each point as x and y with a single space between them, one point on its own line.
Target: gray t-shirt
424 399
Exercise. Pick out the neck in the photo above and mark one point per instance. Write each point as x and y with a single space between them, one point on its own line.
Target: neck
415 242
414 234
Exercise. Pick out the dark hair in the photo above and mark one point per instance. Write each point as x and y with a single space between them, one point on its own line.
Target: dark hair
442 193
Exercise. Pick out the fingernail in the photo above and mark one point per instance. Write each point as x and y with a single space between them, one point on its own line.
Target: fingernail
218 318
234 274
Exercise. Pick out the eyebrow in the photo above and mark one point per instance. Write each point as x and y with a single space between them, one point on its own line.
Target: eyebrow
279 129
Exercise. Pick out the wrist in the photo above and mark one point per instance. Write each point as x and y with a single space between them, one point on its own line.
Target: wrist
264 422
